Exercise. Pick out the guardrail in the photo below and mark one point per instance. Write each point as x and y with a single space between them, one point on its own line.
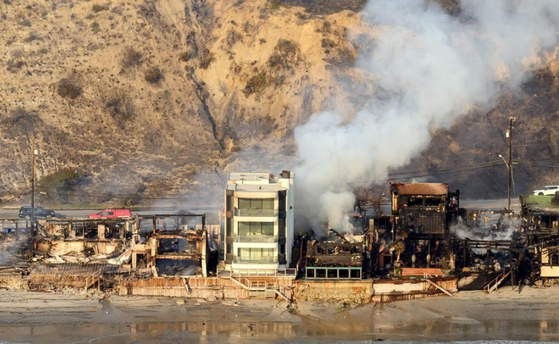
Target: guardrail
255 238
266 260
288 272
256 212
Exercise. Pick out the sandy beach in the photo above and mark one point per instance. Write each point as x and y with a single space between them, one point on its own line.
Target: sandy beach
70 317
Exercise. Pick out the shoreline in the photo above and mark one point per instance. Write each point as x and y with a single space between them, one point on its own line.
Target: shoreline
506 314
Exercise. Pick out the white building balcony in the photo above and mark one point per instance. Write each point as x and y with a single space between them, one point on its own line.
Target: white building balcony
257 260
256 238
256 212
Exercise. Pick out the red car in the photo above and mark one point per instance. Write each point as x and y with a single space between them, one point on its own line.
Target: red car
111 214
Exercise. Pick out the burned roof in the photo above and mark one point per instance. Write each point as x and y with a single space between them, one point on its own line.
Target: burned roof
419 188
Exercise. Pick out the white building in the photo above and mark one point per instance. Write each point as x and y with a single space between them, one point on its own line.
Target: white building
259 222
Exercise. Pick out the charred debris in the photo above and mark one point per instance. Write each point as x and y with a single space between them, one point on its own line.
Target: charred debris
101 253
427 235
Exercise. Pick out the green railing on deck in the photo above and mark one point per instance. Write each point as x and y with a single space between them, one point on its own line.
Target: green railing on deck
539 201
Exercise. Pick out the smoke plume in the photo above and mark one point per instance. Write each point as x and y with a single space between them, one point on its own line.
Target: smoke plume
430 68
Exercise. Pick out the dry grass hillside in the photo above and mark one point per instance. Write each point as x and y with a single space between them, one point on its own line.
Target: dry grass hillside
139 101
140 97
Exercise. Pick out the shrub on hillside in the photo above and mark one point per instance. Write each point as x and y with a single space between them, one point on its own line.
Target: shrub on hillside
120 107
21 122
206 60
273 5
14 65
67 88
57 185
130 57
285 54
25 22
98 8
256 84
153 75
95 27
184 57
32 37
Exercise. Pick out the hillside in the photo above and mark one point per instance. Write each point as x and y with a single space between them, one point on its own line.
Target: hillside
148 101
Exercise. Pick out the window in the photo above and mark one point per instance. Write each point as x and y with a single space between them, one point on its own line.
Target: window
433 202
256 255
256 203
256 206
414 202
256 228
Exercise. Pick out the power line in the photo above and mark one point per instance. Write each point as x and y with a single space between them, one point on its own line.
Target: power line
391 176
416 174
543 164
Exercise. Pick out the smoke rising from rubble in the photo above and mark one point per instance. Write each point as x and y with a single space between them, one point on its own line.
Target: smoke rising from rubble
505 232
10 243
430 68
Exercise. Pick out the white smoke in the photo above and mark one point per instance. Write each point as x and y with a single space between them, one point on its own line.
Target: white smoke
503 232
431 68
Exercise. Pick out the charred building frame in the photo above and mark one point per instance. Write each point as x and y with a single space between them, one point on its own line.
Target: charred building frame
423 209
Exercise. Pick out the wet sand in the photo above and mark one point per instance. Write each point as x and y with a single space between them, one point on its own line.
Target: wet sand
506 314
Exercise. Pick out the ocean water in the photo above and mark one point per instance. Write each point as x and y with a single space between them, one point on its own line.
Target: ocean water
218 340
174 333
214 332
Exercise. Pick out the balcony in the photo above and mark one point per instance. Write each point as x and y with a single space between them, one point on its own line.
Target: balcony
256 238
256 212
259 260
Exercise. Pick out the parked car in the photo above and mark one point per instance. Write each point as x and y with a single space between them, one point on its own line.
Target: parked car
25 212
111 214
547 190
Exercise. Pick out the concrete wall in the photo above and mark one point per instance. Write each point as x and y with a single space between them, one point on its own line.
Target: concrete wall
360 291
549 271
334 291
198 287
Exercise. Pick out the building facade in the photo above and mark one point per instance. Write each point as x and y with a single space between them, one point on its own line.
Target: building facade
259 221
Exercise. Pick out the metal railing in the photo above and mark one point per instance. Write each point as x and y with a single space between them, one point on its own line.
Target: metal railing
288 272
256 238
256 212
261 260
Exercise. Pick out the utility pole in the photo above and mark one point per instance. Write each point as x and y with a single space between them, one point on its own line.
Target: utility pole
33 153
509 165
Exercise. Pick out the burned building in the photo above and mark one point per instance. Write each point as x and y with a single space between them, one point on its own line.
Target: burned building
550 261
79 253
87 252
540 232
540 214
82 240
423 209
334 260
422 214
171 247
